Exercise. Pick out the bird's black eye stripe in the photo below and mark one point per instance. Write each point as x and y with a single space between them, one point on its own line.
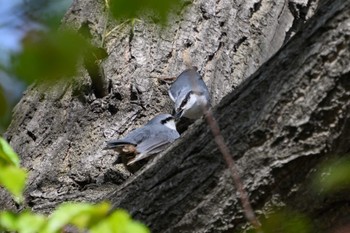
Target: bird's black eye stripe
184 102
166 120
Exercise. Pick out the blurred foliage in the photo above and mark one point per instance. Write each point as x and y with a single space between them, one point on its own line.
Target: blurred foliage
24 17
48 55
3 103
5 111
119 222
130 9
83 216
7 155
26 222
284 221
333 176
46 12
12 177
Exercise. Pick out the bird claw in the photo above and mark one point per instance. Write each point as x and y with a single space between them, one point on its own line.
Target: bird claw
129 149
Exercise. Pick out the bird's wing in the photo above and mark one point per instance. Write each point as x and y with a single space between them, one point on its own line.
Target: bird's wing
203 88
155 143
153 146
133 138
175 91
181 85
172 95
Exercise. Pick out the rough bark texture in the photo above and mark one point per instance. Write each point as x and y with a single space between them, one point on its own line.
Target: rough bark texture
290 115
279 123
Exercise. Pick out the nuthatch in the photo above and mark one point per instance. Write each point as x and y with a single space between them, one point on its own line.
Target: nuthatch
147 140
190 94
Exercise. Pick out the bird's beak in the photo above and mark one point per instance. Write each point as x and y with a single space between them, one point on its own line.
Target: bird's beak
178 115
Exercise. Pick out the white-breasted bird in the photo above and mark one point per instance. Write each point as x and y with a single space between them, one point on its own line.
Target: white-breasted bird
149 139
190 95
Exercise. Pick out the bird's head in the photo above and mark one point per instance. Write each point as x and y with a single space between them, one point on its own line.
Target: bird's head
164 119
191 105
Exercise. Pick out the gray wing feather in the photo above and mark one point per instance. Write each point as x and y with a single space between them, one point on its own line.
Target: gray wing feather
155 143
181 85
117 143
152 145
149 149
134 137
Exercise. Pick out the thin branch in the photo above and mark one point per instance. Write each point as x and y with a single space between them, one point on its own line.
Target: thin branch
225 151
243 195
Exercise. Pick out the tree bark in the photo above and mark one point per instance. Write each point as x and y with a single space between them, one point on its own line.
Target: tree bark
279 123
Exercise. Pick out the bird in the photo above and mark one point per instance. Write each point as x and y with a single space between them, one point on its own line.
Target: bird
190 95
147 140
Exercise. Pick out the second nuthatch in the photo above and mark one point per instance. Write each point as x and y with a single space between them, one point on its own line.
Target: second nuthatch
150 139
190 94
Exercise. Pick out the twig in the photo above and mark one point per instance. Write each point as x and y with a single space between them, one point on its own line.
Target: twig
105 26
225 151
243 195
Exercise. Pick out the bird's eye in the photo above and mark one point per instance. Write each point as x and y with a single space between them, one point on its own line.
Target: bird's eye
166 120
184 102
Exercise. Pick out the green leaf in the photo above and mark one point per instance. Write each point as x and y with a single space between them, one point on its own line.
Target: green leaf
29 222
119 222
13 179
25 222
91 216
7 155
129 9
136 227
8 221
285 221
81 215
49 55
333 176
103 227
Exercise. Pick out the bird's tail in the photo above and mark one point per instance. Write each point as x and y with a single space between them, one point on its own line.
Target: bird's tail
117 143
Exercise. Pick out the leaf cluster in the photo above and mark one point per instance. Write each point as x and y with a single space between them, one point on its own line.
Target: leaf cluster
97 218
48 55
82 216
130 9
12 177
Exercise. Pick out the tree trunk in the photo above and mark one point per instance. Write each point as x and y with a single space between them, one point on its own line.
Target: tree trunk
279 123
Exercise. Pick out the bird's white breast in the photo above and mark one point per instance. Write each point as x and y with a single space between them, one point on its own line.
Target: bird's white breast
195 106
171 124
